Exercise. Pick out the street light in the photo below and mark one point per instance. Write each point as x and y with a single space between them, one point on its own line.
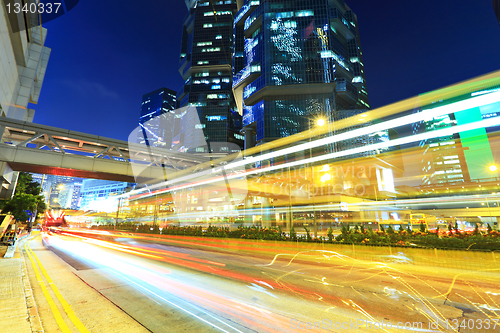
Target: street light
319 122
492 168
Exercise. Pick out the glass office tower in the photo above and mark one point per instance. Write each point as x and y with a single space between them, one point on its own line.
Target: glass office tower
156 124
496 8
462 157
206 67
296 60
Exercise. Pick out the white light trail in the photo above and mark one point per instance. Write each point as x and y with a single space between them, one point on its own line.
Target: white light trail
401 141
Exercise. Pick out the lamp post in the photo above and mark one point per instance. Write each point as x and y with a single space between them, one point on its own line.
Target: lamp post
491 168
118 211
120 197
319 122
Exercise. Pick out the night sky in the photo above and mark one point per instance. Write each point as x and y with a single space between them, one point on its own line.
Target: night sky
107 54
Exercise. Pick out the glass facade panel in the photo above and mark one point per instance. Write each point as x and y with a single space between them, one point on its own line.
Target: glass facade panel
309 63
208 32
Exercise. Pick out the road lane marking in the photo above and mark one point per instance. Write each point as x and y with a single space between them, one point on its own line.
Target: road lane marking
67 308
55 311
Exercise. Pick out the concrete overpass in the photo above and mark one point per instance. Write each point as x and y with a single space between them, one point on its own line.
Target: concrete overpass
30 147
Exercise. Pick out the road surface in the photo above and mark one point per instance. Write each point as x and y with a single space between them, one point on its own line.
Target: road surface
120 282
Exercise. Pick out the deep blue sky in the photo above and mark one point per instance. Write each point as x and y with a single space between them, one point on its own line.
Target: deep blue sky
107 54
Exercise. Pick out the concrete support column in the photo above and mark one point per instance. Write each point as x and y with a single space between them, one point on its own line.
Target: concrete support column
248 219
315 224
266 212
249 134
9 177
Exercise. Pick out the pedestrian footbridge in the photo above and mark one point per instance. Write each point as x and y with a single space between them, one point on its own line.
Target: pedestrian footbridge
36 148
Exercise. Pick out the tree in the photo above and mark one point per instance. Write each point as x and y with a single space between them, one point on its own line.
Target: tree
27 202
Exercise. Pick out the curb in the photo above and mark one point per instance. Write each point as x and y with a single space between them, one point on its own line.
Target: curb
33 317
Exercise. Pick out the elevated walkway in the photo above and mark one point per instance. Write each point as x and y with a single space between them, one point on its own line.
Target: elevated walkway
36 148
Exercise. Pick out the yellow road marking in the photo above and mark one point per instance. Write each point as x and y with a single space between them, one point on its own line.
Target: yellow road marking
67 308
55 312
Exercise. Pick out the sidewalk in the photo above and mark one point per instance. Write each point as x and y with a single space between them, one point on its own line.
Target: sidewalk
18 313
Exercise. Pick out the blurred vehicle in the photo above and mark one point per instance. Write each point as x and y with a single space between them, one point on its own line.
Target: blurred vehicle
430 221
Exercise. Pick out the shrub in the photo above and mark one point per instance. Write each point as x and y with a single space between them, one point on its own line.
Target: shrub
308 235
344 230
465 240
293 234
390 231
476 230
330 235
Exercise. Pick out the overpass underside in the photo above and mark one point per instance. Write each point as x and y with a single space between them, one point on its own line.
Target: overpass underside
30 147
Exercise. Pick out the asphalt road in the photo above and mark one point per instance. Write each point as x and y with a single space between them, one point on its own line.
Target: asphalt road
182 285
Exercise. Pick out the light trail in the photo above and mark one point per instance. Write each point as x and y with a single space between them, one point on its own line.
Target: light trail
332 156
67 308
477 101
320 279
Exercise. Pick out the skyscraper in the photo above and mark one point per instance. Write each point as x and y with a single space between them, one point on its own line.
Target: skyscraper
157 118
496 8
463 157
101 195
23 62
206 67
443 160
294 60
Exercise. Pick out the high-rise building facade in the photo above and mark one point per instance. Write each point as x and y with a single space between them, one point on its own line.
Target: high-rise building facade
156 123
23 62
496 8
101 195
295 60
463 157
206 66
443 160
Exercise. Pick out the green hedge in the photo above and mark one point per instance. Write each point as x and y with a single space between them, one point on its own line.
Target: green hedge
451 239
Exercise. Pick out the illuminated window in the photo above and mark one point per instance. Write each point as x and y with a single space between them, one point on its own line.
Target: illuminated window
219 13
255 68
216 118
303 13
213 49
284 15
217 96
